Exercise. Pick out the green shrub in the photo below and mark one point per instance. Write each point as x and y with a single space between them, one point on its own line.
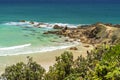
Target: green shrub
21 71
102 63
62 68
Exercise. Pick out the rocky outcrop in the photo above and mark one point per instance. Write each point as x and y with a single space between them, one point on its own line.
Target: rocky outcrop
117 25
93 34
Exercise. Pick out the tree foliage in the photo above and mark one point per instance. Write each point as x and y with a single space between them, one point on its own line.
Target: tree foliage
22 71
102 63
62 68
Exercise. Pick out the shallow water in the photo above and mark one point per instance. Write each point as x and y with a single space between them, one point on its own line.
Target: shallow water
23 38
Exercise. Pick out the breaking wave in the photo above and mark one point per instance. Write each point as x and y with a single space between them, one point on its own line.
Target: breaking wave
41 24
24 49
15 47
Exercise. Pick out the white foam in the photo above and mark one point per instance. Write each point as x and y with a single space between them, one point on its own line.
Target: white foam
41 24
15 47
16 23
63 25
31 50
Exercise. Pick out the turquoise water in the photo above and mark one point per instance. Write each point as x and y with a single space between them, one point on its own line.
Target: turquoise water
20 39
16 35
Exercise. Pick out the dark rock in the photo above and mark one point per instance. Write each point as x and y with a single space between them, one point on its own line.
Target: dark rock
109 24
22 20
52 32
117 25
60 36
45 33
31 22
66 40
65 28
86 46
73 48
57 27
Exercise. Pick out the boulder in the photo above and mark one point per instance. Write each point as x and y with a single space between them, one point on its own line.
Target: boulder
73 48
31 22
66 40
86 46
60 36
57 27
45 33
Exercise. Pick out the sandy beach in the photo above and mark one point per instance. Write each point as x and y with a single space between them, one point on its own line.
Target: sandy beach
45 59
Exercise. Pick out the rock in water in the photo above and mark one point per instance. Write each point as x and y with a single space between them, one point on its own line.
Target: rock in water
31 22
22 20
57 27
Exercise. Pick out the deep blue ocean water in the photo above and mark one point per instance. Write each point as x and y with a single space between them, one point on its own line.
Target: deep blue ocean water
19 39
76 13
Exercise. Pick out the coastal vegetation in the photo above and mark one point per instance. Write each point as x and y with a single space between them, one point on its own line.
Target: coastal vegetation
102 63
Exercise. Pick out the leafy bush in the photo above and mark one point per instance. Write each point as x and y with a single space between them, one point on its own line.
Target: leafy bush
62 68
22 71
102 63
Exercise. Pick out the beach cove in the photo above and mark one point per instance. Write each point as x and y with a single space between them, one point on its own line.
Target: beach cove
59 39
41 46
79 40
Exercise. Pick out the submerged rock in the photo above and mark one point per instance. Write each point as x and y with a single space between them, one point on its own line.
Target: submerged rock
22 20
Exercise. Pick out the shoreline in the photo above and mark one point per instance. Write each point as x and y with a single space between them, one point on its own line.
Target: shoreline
45 59
89 36
38 49
27 48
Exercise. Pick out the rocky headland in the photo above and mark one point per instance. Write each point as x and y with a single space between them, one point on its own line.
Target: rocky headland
94 34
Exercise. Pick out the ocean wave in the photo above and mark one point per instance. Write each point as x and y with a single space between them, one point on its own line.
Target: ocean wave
17 23
31 50
42 24
64 25
15 47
